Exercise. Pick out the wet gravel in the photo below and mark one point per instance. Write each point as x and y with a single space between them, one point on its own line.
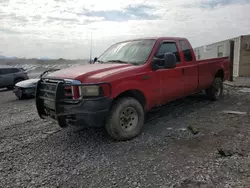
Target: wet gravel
36 153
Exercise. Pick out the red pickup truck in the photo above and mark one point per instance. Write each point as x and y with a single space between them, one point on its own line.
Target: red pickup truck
126 81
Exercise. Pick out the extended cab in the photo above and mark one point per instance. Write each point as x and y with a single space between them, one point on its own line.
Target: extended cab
126 81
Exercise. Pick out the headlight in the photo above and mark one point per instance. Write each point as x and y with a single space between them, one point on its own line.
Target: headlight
90 91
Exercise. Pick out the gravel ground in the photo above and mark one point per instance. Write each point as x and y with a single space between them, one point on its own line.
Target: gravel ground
36 153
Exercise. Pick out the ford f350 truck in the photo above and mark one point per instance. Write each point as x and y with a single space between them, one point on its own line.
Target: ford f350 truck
126 81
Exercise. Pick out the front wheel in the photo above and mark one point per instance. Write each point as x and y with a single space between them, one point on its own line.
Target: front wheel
19 94
10 87
215 92
126 119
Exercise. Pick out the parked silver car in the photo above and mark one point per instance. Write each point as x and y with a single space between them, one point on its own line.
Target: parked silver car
10 76
26 88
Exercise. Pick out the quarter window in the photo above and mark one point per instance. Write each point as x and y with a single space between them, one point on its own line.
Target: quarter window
197 53
186 50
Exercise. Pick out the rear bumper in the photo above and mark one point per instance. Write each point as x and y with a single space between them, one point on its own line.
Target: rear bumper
90 112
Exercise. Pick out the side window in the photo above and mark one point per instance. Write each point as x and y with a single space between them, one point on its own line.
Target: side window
186 50
8 71
168 47
4 71
14 70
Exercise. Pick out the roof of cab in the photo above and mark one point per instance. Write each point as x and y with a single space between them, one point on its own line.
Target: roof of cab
155 38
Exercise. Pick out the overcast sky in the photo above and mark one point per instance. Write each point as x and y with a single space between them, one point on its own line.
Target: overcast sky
62 28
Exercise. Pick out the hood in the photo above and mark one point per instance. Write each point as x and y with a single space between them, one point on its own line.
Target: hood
28 83
91 72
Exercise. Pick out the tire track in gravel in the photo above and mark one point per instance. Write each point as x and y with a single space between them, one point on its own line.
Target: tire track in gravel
163 155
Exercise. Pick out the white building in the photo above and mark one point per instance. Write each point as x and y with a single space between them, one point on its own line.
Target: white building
241 66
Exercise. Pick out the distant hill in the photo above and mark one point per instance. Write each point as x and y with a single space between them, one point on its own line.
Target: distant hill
4 57
44 58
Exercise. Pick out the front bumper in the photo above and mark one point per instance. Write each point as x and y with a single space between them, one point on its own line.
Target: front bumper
52 104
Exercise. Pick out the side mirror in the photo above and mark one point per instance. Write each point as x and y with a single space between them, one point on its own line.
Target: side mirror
169 60
95 59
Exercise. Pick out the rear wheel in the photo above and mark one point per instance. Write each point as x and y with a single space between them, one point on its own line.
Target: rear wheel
126 119
215 92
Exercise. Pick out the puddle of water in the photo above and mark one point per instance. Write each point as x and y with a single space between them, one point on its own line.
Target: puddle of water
179 129
234 112
182 129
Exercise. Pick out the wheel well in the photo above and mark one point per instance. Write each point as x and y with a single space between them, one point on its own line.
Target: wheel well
220 74
137 94
19 78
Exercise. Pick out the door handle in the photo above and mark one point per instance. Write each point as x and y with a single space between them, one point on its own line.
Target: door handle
183 72
145 77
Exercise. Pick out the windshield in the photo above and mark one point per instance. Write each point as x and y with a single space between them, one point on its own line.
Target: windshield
131 52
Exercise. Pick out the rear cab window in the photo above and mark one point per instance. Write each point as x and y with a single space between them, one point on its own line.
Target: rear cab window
4 71
9 70
14 70
168 47
186 50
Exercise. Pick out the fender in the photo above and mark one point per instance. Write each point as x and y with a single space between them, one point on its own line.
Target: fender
218 69
221 66
125 86
225 66
130 85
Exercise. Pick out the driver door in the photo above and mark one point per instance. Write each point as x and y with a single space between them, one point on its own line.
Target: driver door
170 80
5 77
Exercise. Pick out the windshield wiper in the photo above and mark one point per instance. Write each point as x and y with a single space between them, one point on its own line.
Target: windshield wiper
117 61
99 61
124 62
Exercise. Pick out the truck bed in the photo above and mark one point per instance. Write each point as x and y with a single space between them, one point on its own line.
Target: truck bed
207 72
